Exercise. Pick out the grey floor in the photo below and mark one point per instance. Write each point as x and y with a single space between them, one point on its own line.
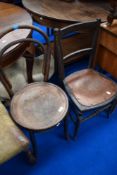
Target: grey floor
17 74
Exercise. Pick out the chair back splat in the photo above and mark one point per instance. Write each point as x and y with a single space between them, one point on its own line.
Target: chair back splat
82 29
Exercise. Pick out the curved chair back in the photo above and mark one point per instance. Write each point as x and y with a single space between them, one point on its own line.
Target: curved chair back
4 61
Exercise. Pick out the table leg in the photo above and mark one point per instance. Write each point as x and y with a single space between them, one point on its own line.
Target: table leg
32 155
77 125
29 65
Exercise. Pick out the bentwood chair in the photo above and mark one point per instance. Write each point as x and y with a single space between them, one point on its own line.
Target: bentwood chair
25 56
88 89
40 105
12 140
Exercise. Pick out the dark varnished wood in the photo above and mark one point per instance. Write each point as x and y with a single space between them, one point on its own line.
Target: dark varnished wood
62 11
39 106
68 45
90 88
59 14
44 104
81 34
87 89
4 60
107 48
11 15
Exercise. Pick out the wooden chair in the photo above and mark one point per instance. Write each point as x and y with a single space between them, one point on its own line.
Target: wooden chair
37 106
12 140
87 89
26 54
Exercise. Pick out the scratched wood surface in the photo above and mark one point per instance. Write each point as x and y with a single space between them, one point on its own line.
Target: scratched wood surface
64 11
12 15
39 106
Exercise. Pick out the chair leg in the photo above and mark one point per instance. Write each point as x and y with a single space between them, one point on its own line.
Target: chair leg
75 120
111 109
32 155
48 31
66 128
77 125
108 113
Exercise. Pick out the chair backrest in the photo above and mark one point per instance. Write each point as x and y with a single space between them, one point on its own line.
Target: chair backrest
45 49
80 29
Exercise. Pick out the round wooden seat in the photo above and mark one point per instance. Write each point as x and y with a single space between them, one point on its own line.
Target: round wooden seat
39 106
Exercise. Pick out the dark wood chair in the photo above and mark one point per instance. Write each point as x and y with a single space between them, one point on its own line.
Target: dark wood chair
87 89
40 105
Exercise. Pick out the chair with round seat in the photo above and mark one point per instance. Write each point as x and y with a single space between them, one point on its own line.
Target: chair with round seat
39 105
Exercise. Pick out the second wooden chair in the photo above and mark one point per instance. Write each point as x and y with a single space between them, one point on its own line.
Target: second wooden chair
87 89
